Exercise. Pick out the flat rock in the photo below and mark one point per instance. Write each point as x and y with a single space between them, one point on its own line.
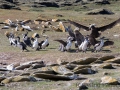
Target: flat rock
104 58
7 80
18 79
82 66
61 61
84 71
106 66
51 76
3 69
109 80
23 78
35 66
25 74
84 61
114 60
70 66
33 62
98 62
22 67
62 70
47 70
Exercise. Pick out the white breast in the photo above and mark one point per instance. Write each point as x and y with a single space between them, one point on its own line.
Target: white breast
100 46
80 47
68 45
35 44
84 47
45 43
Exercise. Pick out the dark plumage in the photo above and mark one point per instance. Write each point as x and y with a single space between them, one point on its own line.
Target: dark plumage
95 30
21 45
77 36
27 40
40 44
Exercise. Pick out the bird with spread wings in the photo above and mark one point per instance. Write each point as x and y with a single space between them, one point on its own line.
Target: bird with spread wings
95 30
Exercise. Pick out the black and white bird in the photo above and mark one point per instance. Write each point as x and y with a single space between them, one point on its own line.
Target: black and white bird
98 47
35 44
27 40
65 45
21 45
44 43
84 45
11 38
13 41
27 28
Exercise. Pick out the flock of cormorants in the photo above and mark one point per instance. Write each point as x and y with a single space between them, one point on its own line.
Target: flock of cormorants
82 43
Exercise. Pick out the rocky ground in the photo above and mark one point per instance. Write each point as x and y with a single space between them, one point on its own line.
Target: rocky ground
51 69
15 4
79 69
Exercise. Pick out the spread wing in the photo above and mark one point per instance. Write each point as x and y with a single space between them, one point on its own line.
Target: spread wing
79 25
79 37
71 33
61 41
103 28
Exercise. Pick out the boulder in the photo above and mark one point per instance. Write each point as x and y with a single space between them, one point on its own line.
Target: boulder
109 80
83 85
62 70
84 61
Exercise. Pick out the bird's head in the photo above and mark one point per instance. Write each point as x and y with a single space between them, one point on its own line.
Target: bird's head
102 38
35 35
70 38
91 26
